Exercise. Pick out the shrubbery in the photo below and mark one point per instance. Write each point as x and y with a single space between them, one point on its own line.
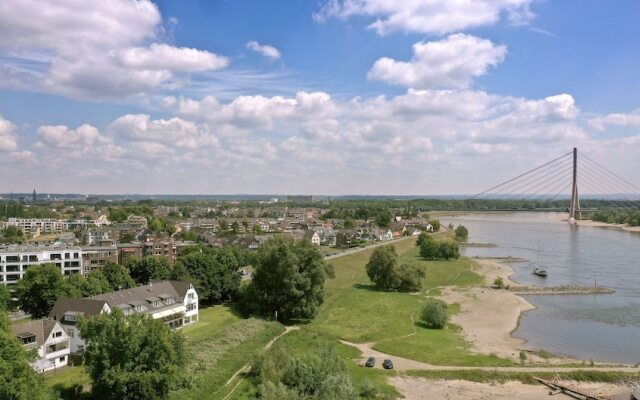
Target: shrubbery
432 249
434 314
386 274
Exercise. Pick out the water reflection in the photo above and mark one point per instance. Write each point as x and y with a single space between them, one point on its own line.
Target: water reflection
605 327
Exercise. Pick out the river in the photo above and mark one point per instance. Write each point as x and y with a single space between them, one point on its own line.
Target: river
597 327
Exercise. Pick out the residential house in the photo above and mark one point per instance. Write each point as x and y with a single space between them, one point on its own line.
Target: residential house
173 302
95 257
50 340
312 237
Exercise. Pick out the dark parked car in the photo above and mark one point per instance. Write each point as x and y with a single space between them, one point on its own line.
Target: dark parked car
371 362
387 364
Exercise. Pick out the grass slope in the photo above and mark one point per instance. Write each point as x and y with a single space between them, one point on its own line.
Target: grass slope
354 311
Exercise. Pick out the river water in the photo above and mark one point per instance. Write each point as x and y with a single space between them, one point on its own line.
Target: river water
598 327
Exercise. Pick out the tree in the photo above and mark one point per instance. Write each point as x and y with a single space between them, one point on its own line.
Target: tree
422 238
383 218
498 283
18 380
429 248
411 277
39 289
5 299
384 272
133 357
435 224
462 233
449 250
288 279
434 314
216 276
95 283
118 276
147 269
381 267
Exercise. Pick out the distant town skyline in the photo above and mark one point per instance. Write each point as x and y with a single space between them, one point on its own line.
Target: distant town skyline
334 97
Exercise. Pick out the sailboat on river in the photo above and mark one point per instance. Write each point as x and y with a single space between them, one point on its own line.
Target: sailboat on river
539 269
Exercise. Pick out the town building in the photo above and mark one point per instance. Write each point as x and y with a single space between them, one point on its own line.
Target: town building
95 257
50 340
16 259
35 226
173 302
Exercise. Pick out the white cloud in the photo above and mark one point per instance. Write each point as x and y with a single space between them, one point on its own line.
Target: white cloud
428 16
109 48
451 62
7 135
159 136
616 119
80 142
264 49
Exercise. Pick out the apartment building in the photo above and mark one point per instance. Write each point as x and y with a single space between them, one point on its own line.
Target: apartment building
36 226
173 302
16 259
50 340
93 236
155 245
95 257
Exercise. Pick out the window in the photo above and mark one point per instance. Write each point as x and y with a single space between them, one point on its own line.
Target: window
28 339
71 333
70 317
191 306
62 359
191 296
57 334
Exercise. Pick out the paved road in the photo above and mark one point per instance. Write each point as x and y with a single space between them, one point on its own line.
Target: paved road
359 249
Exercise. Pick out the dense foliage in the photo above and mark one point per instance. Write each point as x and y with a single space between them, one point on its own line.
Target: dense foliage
18 380
214 273
118 276
434 314
91 285
386 274
149 268
432 249
39 288
462 233
319 373
5 298
288 279
130 358
11 234
618 217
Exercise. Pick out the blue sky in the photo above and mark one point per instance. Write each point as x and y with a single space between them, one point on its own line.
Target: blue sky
328 97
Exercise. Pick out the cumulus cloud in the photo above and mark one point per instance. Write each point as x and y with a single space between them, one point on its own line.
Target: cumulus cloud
616 119
7 135
451 62
427 16
86 140
264 49
110 48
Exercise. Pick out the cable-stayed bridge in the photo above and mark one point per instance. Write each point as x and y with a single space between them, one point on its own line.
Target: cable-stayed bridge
570 175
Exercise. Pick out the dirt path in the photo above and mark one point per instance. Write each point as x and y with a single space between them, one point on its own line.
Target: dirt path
373 246
247 367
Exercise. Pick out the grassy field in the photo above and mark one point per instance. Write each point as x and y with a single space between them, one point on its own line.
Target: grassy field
354 311
221 343
298 342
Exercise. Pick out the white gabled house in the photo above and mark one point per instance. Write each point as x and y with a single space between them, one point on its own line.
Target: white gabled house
173 302
49 338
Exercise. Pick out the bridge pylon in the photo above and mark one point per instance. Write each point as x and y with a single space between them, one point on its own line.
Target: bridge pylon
574 209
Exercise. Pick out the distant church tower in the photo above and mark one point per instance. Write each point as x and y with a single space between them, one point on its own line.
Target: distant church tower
33 197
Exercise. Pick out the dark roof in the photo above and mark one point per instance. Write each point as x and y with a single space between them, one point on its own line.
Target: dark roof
40 328
84 306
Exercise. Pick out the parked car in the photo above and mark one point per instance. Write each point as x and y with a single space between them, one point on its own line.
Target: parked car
371 362
387 364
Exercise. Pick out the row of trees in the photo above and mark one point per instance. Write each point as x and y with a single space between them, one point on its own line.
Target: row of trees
618 217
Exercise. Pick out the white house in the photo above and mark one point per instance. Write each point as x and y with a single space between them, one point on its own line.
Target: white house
429 228
173 302
49 338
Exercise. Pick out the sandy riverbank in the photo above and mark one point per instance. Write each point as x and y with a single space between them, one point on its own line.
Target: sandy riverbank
597 224
419 389
487 316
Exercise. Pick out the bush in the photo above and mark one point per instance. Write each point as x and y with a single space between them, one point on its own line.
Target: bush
384 272
498 283
369 390
434 314
462 233
432 249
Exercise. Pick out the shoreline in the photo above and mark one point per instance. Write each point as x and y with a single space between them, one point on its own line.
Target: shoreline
489 317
